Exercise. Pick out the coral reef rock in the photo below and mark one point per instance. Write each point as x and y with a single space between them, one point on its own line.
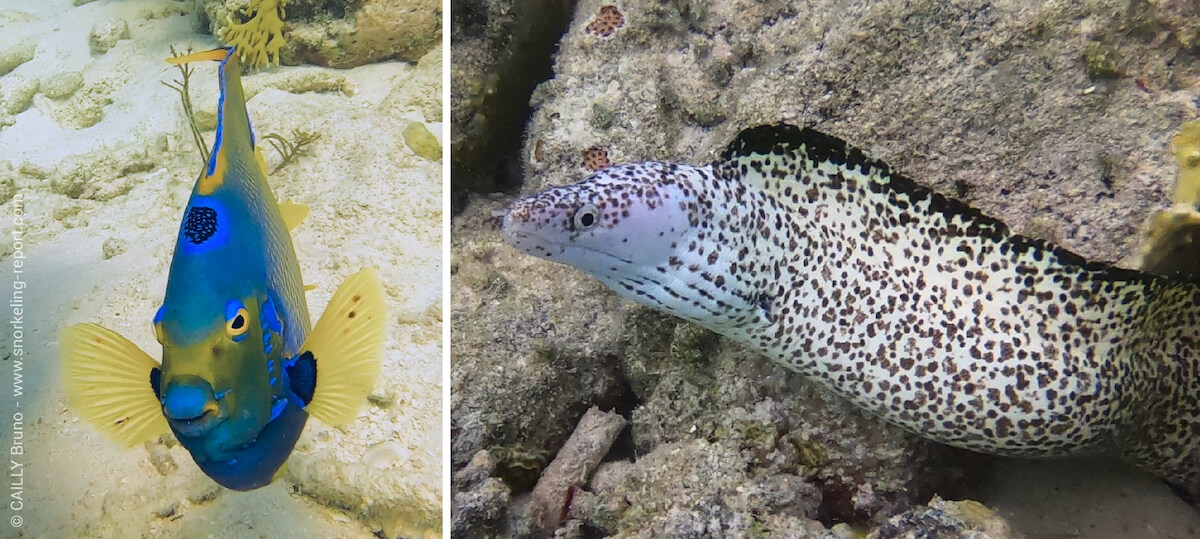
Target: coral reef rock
940 518
106 34
1055 116
500 50
339 34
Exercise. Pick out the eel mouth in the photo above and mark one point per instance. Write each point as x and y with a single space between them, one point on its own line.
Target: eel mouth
534 244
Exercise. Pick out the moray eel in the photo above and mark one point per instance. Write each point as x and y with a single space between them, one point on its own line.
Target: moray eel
914 306
241 371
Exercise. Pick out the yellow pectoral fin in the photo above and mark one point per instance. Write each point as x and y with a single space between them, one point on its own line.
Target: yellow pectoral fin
107 379
347 344
310 287
293 214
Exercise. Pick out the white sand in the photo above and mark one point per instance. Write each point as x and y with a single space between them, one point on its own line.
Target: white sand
1092 498
374 203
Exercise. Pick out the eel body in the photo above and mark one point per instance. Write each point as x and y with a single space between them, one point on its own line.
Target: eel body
912 305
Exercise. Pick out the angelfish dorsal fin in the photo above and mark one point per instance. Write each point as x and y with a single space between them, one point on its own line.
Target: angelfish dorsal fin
234 139
293 214
261 159
110 384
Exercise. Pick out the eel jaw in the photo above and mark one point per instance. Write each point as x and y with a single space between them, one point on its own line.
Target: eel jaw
592 261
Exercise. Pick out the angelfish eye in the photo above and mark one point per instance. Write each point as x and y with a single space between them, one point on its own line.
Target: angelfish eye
236 317
586 217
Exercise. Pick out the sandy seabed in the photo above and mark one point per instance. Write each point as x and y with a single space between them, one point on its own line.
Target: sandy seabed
99 177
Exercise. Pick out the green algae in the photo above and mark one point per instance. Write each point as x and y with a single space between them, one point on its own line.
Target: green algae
422 142
289 149
1102 61
181 85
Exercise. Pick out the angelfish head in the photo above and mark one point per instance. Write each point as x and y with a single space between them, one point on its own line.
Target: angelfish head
214 380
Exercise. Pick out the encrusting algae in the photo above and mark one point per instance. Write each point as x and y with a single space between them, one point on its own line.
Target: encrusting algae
1187 152
259 39
1173 233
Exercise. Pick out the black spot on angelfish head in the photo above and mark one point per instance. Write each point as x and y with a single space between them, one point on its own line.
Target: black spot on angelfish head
200 224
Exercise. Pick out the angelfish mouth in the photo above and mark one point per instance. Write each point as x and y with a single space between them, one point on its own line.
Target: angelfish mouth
195 426
190 405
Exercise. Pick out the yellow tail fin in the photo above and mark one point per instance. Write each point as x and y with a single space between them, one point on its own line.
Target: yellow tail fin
347 344
108 384
215 55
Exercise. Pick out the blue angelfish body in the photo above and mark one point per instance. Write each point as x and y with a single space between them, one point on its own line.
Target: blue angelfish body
242 366
233 252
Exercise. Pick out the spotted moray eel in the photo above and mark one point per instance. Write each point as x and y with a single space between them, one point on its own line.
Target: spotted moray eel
912 305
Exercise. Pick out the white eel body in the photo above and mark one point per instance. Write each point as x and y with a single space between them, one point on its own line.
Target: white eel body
912 305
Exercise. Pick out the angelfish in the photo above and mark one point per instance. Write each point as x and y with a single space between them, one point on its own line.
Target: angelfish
241 371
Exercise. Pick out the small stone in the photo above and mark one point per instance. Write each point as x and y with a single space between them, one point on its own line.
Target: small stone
843 531
113 247
160 456
386 455
105 35
61 85
8 188
16 93
205 495
66 211
422 142
34 171
382 400
16 55
168 511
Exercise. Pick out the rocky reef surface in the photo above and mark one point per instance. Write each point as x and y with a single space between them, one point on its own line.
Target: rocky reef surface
341 33
1055 116
97 159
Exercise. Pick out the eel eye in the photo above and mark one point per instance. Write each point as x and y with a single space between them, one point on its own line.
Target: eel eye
586 217
236 317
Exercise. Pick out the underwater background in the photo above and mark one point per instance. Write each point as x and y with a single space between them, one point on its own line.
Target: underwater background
1056 117
97 160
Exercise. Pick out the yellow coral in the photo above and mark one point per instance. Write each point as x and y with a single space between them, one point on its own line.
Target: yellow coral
1173 241
1187 152
259 39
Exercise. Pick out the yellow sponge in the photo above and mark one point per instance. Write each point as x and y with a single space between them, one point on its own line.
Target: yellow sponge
1187 152
259 39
